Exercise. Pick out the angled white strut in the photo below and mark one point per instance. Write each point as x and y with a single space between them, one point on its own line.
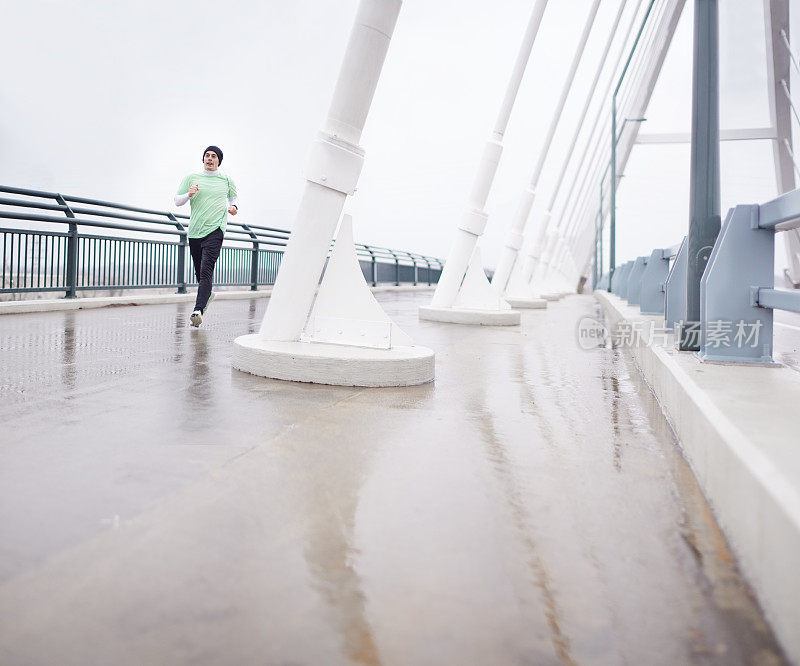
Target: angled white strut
474 218
332 171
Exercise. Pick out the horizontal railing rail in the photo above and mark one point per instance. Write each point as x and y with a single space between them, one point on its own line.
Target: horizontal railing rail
737 290
782 213
70 253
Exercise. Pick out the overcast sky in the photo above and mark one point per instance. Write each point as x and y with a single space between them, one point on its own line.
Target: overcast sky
117 102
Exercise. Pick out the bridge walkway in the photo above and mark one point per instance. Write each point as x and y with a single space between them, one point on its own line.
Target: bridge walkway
530 507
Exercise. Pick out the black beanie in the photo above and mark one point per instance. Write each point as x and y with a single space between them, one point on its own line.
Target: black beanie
218 151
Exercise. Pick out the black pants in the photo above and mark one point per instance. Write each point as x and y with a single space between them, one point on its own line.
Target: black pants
205 252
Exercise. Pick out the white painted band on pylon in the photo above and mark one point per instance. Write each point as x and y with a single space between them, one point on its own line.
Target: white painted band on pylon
334 164
514 241
473 222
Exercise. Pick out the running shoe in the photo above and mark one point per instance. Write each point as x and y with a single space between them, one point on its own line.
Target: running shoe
196 318
208 303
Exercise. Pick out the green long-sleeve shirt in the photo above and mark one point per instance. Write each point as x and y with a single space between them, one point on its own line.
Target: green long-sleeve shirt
209 206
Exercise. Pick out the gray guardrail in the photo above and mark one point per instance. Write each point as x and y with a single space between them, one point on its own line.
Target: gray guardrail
737 291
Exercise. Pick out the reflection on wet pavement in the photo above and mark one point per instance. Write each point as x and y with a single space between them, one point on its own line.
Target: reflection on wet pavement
530 507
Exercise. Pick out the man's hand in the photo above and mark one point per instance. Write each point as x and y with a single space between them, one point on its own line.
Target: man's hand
193 190
233 210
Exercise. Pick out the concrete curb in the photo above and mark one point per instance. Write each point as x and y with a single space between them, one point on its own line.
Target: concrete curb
742 449
58 304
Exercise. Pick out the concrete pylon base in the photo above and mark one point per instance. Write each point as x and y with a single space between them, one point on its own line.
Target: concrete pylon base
337 365
467 316
555 296
526 303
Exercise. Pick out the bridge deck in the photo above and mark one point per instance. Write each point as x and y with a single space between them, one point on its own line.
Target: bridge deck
530 507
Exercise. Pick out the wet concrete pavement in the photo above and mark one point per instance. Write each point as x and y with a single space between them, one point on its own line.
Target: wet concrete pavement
530 507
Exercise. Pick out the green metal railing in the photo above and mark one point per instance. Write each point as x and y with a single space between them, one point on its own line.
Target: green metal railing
57 256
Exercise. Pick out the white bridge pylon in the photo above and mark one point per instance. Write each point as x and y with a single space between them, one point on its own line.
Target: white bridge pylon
453 286
476 302
347 340
345 311
509 259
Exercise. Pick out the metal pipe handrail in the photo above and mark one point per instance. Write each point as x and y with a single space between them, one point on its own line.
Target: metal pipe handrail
783 211
260 228
115 238
109 204
280 234
87 259
88 223
95 202
33 204
251 239
36 232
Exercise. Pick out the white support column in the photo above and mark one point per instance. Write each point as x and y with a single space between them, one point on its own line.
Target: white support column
474 218
509 252
598 164
351 342
546 258
557 269
546 288
662 39
661 42
332 171
602 112
518 285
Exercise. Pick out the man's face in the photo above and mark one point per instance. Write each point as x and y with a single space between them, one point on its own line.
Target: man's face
210 160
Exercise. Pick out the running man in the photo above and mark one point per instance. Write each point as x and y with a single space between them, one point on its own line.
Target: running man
211 195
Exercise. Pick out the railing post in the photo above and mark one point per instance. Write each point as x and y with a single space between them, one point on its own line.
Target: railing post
651 296
71 277
675 289
254 268
182 243
734 328
634 289
253 260
396 268
704 204
441 266
374 265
